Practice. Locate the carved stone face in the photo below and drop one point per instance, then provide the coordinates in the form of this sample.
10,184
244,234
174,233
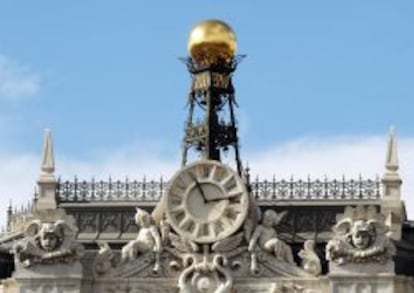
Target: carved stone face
361,235
145,220
269,217
49,241
48,238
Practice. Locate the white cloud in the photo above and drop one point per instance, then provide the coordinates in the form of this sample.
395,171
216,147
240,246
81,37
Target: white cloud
17,80
316,157
132,162
335,157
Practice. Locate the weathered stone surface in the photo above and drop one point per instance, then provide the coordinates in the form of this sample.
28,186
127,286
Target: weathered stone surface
361,243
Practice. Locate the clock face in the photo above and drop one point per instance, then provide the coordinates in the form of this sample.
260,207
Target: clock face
206,201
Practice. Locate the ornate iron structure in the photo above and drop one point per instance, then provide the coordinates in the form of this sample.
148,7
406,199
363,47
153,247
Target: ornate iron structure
212,97
78,191
354,189
262,190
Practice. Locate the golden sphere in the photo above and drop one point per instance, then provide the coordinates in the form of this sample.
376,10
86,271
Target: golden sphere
212,40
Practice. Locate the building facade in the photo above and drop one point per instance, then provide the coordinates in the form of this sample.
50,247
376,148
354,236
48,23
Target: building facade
210,228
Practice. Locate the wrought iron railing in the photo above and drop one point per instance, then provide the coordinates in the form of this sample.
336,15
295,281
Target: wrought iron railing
354,189
262,190
110,190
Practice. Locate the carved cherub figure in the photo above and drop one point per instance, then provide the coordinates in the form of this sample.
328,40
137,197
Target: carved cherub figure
266,236
47,242
50,236
360,237
148,239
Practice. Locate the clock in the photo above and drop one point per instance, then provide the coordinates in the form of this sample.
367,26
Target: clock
206,201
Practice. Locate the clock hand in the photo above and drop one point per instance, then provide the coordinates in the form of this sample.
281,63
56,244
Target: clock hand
226,197
217,199
199,187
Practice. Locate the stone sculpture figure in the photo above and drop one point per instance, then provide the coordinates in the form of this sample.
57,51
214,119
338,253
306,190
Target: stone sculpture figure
310,260
266,236
148,239
47,243
105,258
360,237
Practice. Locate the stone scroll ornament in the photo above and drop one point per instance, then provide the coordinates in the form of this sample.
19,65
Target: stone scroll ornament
48,242
206,276
360,236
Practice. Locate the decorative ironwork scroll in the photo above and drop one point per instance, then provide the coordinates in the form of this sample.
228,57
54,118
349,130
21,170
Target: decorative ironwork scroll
262,190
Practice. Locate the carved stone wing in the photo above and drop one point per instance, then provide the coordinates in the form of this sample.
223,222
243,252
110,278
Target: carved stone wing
228,244
280,217
343,226
379,227
63,229
33,228
182,245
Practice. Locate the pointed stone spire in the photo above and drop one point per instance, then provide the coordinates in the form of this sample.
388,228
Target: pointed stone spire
392,206
9,215
48,159
391,178
391,161
47,182
246,175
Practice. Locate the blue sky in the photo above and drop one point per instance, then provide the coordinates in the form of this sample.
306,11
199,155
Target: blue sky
105,78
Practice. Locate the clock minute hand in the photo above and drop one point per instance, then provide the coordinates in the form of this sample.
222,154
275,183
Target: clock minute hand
199,187
225,197
217,199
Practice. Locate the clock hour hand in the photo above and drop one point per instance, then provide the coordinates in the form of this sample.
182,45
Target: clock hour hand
199,187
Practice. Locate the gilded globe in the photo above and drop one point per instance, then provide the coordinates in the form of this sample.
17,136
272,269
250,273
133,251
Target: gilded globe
212,40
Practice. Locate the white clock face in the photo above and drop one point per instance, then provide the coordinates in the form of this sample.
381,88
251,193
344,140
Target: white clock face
206,201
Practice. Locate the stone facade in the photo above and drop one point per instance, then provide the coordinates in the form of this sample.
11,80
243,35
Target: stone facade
49,258
142,252
211,229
